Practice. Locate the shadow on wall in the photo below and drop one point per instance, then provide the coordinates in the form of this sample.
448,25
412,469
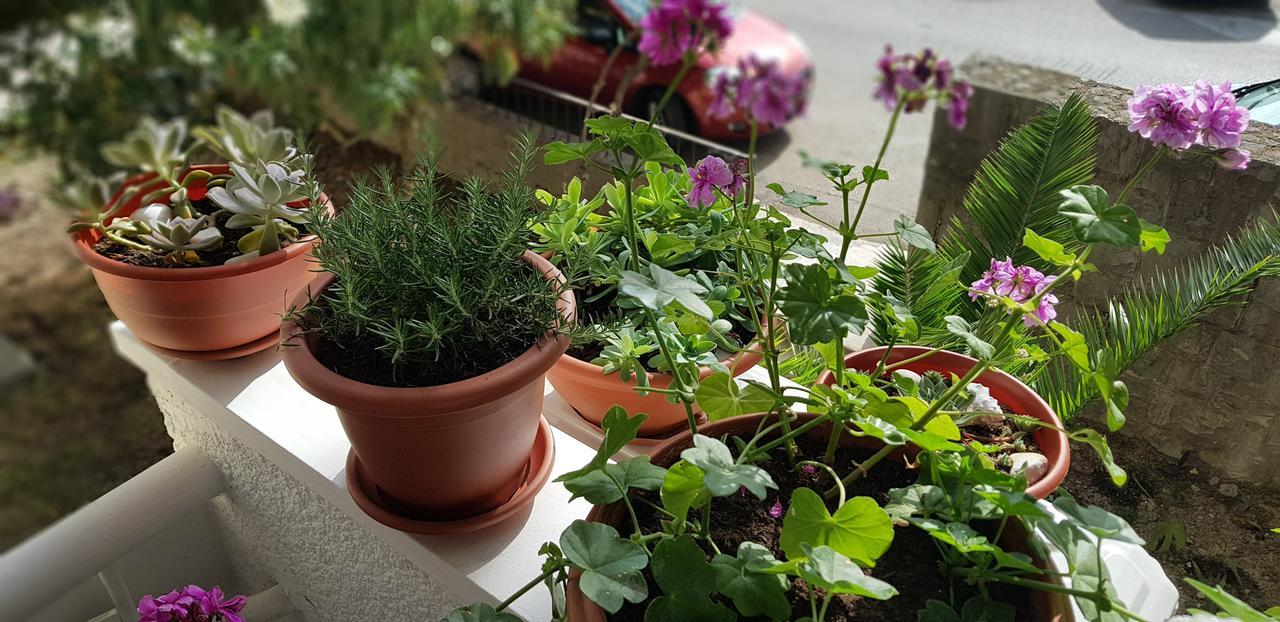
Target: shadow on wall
1195,20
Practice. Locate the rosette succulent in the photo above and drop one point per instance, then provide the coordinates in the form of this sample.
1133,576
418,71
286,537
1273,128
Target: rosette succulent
168,232
248,140
259,200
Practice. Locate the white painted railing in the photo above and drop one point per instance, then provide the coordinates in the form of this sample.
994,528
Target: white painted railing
95,538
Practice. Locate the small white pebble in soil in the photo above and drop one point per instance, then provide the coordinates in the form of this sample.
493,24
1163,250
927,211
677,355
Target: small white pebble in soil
984,402
1033,464
1229,490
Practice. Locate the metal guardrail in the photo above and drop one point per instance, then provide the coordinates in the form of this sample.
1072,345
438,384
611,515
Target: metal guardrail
565,113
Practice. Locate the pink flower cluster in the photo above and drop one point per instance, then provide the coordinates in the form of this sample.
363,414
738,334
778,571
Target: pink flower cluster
1019,283
916,78
191,604
1180,118
761,88
711,174
676,28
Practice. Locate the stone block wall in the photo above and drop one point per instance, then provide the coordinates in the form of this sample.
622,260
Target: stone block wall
1215,389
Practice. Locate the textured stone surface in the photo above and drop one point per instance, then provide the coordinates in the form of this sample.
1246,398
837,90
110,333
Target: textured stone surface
1213,389
276,528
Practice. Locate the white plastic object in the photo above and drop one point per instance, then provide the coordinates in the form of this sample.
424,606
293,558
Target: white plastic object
1139,581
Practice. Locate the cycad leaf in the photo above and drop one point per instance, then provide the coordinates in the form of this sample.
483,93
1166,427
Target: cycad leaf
1016,188
1130,326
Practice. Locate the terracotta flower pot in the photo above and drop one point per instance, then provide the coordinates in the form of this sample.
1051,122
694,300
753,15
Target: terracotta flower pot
1049,607
1009,391
192,312
592,393
445,452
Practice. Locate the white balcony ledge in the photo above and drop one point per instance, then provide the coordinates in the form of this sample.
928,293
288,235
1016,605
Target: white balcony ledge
336,561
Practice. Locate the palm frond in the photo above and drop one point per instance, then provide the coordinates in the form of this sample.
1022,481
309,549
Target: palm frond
1015,188
1128,327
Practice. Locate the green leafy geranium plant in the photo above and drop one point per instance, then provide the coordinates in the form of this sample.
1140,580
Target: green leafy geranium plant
858,494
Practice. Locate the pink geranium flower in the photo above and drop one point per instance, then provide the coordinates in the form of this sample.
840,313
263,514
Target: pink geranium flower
1164,114
1020,284
1218,116
708,175
676,28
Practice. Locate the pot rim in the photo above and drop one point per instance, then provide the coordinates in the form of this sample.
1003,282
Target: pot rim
417,402
82,243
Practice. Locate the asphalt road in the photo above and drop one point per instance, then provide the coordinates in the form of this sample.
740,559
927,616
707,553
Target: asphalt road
1124,42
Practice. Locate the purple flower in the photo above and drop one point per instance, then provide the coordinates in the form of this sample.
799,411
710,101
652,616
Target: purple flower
809,469
776,509
1221,121
212,603
1044,308
919,78
1000,273
739,170
942,74
958,103
1165,115
679,27
1232,159
722,94
768,96
886,90
1020,283
666,36
172,606
708,174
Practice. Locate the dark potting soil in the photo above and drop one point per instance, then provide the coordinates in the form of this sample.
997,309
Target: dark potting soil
215,257
911,564
339,165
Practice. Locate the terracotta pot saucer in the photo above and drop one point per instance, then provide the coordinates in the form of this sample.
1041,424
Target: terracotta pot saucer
253,347
366,494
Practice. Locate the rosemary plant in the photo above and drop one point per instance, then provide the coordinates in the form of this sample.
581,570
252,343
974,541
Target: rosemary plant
430,286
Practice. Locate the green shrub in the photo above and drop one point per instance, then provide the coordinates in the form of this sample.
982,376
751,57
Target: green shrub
430,286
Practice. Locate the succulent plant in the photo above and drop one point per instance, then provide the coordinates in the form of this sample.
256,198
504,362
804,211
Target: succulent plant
259,200
248,140
168,232
151,147
86,195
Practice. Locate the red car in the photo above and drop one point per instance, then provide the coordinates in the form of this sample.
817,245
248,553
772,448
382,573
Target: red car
605,24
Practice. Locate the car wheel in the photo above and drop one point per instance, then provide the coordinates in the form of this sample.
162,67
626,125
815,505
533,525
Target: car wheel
675,114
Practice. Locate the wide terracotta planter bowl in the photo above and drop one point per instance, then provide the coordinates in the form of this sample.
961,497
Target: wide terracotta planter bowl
198,310
1048,607
1015,396
444,452
592,393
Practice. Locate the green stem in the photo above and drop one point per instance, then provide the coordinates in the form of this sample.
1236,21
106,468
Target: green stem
677,376
126,242
631,227
528,586
788,436
837,428
849,233
829,471
688,63
1142,172
904,362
